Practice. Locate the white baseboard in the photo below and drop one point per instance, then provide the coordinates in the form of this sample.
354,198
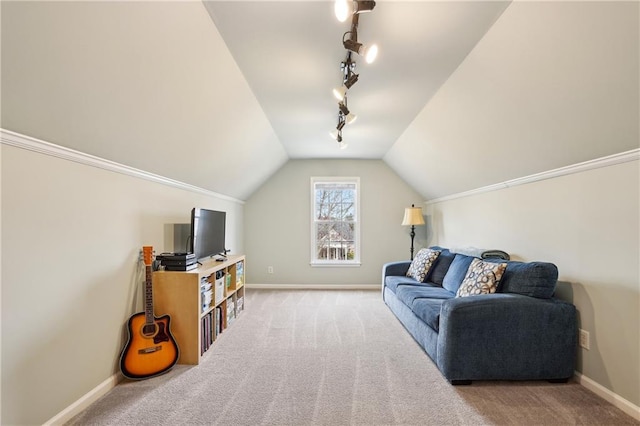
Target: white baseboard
315,286
616,400
81,404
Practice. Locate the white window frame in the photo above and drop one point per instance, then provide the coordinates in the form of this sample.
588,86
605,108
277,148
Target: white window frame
335,262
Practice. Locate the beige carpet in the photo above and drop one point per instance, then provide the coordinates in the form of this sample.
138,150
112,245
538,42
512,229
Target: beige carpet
333,358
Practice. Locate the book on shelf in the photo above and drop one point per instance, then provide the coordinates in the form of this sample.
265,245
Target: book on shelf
240,273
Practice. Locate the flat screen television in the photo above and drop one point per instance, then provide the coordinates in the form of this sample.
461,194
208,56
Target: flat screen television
207,233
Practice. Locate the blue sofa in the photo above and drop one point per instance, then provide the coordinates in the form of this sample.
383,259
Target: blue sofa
520,332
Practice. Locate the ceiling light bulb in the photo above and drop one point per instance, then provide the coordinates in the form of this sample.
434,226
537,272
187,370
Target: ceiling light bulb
342,145
342,10
340,92
351,117
371,53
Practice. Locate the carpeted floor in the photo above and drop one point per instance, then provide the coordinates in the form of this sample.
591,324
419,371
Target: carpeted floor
333,358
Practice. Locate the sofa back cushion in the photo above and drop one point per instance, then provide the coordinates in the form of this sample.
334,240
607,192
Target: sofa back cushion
441,266
535,279
456,272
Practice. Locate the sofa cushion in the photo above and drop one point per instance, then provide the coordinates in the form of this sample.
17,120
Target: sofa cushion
407,293
534,279
422,263
440,266
392,282
428,310
482,278
456,272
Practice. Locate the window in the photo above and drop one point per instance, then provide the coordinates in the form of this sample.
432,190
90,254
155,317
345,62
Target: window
335,222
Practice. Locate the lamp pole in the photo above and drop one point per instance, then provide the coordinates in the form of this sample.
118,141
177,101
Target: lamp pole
413,234
412,217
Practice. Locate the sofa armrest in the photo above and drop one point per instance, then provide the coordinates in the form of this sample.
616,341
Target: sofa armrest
394,269
506,337
399,268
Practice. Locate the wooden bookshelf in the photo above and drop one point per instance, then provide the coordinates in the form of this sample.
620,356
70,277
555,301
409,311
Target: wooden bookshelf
180,295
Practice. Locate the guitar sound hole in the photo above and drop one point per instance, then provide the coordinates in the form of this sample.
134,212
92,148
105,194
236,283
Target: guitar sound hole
149,330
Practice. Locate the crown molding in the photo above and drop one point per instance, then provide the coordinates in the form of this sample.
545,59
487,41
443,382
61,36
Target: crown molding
29,143
610,160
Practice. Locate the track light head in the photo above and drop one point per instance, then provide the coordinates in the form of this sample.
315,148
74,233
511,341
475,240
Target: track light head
351,80
349,117
369,52
342,145
345,8
340,92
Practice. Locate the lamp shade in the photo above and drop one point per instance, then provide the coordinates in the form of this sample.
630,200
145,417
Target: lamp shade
413,216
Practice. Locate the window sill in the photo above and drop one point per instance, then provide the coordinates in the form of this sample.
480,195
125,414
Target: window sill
329,264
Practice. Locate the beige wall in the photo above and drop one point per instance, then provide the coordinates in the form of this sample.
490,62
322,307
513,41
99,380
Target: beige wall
70,240
150,84
552,83
277,223
585,223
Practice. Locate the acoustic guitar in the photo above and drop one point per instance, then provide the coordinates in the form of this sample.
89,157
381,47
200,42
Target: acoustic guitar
151,349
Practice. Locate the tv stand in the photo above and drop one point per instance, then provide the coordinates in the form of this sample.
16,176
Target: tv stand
194,324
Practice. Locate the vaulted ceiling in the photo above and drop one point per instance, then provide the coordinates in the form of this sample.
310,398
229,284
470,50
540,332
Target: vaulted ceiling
290,54
220,94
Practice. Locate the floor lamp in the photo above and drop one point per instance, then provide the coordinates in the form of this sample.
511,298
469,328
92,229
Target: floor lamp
413,217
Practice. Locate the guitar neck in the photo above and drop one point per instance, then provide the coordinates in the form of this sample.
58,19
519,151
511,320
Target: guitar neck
148,296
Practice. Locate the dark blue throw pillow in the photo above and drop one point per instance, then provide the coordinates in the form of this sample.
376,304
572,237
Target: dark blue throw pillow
441,266
535,279
457,271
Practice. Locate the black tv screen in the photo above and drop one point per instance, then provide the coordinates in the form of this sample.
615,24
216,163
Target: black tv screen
207,232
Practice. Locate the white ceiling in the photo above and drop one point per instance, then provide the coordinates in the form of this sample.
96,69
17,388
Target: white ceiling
290,54
220,94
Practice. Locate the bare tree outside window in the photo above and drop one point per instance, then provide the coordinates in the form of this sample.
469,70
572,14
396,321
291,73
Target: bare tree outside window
335,224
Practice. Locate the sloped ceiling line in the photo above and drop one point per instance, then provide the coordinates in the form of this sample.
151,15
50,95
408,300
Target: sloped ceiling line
18,140
610,160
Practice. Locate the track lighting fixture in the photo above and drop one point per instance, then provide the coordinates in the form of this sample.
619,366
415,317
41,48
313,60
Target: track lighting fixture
337,135
351,80
341,92
369,52
344,8
349,116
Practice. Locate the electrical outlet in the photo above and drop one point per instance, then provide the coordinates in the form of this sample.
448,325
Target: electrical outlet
584,339
270,269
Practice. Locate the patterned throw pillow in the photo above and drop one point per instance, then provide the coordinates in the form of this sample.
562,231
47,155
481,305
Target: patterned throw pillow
482,278
422,263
